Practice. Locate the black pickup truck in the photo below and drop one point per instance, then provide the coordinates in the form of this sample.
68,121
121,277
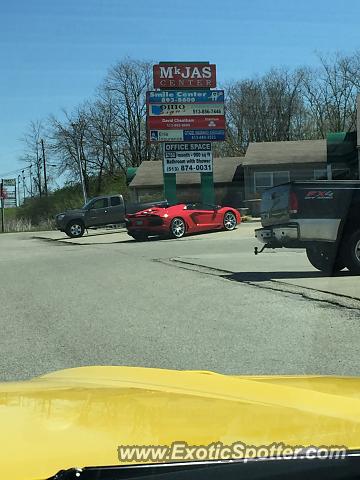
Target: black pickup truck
321,216
98,212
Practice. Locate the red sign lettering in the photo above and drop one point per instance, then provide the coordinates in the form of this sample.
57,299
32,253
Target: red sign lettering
207,122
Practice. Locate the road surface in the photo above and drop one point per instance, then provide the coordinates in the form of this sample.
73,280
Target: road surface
204,302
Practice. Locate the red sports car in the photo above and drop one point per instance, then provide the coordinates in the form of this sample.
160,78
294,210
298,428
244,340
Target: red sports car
177,220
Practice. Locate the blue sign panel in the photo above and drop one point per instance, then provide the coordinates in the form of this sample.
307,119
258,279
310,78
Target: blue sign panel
186,96
204,135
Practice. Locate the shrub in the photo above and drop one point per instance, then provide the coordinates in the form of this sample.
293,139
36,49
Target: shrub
41,211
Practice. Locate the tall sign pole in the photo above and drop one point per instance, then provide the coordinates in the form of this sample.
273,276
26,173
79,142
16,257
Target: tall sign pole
186,116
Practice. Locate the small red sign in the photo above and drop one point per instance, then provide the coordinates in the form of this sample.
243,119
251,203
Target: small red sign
3,193
207,122
182,75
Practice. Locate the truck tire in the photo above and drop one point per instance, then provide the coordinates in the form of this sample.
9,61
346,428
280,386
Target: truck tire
352,252
75,229
325,258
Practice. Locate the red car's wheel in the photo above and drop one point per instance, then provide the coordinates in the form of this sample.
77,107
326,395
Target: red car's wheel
177,227
230,221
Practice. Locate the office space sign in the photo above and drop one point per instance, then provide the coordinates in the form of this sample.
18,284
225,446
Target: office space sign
188,157
184,75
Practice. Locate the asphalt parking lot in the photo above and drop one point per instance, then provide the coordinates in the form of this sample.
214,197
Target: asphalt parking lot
282,267
204,302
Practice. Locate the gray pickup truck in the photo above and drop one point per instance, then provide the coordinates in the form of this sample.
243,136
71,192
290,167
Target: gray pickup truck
321,216
98,212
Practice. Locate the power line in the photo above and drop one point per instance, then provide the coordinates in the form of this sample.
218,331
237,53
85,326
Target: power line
14,171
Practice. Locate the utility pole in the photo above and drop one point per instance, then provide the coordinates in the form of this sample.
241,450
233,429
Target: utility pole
38,170
81,173
18,189
2,206
31,188
44,162
23,180
78,158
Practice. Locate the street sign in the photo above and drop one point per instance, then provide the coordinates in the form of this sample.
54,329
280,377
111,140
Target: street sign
184,75
185,96
198,122
9,182
188,157
186,135
183,109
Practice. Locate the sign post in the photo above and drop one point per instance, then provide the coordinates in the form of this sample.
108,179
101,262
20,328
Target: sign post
169,182
170,187
186,116
207,188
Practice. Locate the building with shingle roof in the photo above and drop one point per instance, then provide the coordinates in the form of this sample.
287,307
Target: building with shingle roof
147,184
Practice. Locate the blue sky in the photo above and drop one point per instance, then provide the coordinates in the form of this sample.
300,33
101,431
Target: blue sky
54,53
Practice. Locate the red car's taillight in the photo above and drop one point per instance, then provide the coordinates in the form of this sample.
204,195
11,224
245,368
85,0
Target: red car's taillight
293,203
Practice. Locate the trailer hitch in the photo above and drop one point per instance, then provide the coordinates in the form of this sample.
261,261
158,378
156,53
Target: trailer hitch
257,251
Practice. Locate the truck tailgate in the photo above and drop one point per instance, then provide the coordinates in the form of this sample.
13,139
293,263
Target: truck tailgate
275,205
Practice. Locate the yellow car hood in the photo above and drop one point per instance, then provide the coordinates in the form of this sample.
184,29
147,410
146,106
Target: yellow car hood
78,417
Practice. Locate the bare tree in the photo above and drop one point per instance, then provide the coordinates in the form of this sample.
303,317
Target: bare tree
33,155
125,87
68,139
330,94
268,108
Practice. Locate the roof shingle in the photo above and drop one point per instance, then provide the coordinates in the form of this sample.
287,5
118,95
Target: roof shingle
274,153
149,174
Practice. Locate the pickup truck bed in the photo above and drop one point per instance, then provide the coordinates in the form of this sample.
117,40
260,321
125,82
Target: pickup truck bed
321,216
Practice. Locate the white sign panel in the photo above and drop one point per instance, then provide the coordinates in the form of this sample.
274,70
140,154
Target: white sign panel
9,182
188,157
180,109
166,135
